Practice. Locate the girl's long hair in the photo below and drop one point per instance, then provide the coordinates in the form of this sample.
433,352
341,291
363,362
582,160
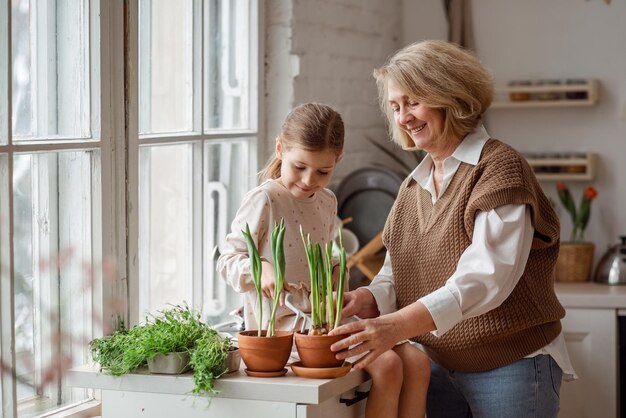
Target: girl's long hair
310,126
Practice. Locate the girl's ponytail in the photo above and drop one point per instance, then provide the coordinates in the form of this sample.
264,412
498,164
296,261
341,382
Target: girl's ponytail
271,169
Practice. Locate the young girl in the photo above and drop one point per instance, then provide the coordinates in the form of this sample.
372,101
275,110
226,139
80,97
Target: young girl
294,188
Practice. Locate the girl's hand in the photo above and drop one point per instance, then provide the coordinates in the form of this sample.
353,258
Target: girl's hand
267,283
359,302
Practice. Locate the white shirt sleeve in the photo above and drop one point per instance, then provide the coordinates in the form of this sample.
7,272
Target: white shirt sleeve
383,289
233,265
487,271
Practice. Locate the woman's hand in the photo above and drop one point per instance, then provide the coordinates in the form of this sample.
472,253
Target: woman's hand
377,335
267,283
371,336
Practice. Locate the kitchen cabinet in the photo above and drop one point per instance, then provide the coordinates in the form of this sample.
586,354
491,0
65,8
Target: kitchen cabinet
590,328
142,394
588,89
591,339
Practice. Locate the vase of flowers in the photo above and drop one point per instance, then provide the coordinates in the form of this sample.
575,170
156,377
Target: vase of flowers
576,255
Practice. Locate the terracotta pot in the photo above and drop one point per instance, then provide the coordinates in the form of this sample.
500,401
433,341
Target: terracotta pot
265,354
314,350
574,261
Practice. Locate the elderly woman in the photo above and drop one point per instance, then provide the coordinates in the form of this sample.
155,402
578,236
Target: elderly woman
471,242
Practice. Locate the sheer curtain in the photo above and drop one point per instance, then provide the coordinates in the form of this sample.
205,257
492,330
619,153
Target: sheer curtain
458,13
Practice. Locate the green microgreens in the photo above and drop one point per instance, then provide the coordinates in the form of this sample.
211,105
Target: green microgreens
173,330
208,361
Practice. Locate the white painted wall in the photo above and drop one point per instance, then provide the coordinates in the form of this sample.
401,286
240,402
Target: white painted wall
537,39
325,51
424,19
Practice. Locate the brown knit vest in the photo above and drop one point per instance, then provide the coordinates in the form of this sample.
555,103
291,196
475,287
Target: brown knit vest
425,242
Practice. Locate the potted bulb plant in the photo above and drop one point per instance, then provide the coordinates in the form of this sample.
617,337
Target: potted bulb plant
576,255
314,345
265,352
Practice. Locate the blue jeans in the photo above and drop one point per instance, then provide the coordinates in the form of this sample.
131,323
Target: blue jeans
527,388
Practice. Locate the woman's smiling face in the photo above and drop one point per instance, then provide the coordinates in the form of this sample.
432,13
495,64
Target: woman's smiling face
305,172
423,124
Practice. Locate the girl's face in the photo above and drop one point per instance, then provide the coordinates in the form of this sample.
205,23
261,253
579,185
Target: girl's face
305,172
423,124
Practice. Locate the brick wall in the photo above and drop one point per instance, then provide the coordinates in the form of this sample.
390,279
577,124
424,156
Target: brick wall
325,51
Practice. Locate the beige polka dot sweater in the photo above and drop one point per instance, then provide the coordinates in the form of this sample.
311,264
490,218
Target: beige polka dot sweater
261,207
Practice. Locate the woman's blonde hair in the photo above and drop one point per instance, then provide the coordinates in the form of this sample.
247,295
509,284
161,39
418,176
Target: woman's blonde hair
310,126
441,75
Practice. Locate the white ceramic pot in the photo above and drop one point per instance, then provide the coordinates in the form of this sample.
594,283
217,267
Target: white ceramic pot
350,243
233,361
171,363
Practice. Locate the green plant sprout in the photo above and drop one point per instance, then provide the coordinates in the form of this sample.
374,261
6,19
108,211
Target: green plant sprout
256,268
343,261
325,313
278,259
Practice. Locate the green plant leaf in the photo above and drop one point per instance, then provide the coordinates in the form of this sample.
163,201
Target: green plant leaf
256,268
208,361
342,278
278,257
568,202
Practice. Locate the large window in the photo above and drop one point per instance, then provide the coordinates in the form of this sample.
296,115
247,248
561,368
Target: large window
50,192
123,157
197,105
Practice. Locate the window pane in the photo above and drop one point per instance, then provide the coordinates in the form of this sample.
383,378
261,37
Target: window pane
165,66
4,58
225,183
53,261
165,226
50,56
227,63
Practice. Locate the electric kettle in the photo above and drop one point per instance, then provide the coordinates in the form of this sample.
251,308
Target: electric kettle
612,266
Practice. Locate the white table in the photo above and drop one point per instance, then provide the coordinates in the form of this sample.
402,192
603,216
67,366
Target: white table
143,395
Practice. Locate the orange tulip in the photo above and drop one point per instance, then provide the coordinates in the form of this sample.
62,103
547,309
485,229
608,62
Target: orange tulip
579,216
590,192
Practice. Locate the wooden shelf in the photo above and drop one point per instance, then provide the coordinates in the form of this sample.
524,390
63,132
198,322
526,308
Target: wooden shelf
576,168
502,99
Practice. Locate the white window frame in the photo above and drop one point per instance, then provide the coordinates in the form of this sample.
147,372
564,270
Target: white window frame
106,56
114,121
203,266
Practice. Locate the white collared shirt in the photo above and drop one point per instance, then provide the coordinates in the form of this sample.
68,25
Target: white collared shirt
489,268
